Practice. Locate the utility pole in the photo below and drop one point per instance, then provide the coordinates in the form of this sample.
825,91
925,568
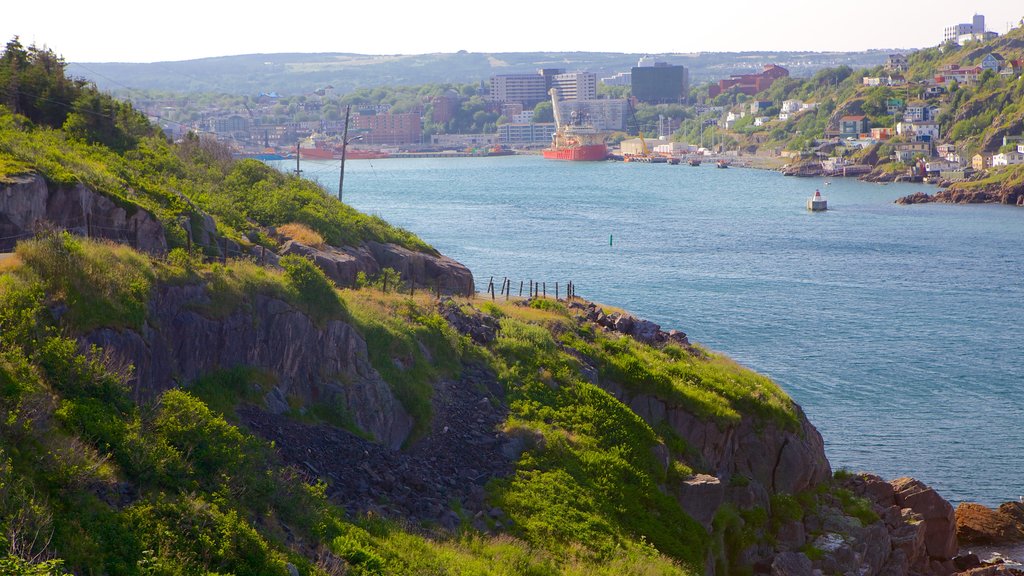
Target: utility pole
344,146
298,152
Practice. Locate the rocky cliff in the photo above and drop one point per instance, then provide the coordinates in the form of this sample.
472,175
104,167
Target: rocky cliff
29,202
1012,195
179,344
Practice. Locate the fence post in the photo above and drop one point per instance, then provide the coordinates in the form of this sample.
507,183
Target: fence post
520,288
545,289
556,291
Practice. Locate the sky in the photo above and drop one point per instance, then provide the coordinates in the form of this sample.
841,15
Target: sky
139,31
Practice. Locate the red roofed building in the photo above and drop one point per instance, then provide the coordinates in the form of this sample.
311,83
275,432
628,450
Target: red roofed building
749,84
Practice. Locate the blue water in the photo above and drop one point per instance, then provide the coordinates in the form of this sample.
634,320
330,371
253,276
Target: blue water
897,328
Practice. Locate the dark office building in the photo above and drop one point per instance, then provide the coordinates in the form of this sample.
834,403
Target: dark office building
660,84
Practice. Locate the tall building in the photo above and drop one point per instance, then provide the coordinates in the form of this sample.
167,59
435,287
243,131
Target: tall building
575,85
527,89
962,33
659,84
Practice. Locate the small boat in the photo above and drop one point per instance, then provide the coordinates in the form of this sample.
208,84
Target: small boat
673,160
817,203
722,164
693,161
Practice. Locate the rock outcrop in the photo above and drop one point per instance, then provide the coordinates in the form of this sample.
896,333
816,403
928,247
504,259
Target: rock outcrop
978,524
342,265
311,364
29,202
1012,195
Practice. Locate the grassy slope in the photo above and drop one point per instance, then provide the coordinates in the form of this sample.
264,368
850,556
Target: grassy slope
588,498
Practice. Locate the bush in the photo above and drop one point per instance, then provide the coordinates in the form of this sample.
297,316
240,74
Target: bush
311,288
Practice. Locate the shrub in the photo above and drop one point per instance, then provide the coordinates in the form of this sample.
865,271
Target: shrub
312,289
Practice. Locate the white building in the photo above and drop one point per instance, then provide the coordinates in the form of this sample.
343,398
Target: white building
926,130
463,140
575,85
1008,158
963,33
762,120
790,106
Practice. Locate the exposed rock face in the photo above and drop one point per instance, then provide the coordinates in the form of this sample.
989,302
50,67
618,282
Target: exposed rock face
179,344
977,524
30,201
343,265
954,195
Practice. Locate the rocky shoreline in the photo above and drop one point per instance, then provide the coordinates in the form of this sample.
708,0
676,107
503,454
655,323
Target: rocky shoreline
1013,196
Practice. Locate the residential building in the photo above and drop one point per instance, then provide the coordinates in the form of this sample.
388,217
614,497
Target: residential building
528,134
889,80
660,84
575,85
925,131
948,151
966,76
388,129
853,126
881,133
979,162
229,124
894,105
993,61
915,112
603,114
933,91
1008,159
907,151
897,62
749,84
524,117
762,120
1013,68
784,116
759,105
1020,148
526,89
791,106
934,167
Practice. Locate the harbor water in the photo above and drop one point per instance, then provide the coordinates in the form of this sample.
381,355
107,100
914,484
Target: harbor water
897,328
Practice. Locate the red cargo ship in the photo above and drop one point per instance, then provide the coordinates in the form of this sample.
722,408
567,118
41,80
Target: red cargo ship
575,140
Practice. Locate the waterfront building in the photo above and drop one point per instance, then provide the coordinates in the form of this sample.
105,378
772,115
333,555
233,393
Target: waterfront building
390,129
462,141
526,134
907,151
1008,159
661,83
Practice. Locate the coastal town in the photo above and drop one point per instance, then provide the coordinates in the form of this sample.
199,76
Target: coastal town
900,108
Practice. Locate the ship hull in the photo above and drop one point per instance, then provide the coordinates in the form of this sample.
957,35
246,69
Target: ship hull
588,153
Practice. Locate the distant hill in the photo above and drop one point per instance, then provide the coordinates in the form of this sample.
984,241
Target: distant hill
303,73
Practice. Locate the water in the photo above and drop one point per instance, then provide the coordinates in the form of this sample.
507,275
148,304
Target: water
897,328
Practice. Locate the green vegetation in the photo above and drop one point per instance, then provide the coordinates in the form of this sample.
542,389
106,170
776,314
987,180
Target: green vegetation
69,133
97,478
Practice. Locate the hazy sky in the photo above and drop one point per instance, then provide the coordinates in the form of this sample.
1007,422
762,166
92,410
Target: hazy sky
141,31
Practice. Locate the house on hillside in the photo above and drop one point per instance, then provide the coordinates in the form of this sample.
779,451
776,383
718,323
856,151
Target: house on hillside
881,133
924,131
759,105
906,151
896,62
1008,159
762,120
979,162
933,91
853,126
915,112
790,106
992,61
1012,68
